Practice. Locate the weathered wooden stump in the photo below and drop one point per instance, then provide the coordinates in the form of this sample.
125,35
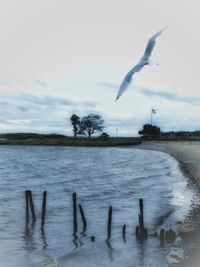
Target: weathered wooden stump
27,207
92,238
83,218
31,205
43,209
170,236
75,223
137,232
162,236
124,231
109,222
141,216
140,231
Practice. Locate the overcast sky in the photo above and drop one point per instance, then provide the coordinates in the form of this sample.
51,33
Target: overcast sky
59,57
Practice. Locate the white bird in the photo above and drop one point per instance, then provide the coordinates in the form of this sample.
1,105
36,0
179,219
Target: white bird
145,60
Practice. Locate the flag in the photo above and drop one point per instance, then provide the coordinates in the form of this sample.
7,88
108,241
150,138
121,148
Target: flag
153,111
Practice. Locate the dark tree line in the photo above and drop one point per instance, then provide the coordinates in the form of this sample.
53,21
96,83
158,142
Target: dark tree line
89,124
181,133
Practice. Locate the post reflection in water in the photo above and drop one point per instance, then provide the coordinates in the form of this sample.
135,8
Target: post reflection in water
29,242
110,250
43,238
83,234
75,241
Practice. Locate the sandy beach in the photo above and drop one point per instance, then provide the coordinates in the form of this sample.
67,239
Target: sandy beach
187,153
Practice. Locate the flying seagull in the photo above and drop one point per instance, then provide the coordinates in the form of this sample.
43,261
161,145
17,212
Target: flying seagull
145,60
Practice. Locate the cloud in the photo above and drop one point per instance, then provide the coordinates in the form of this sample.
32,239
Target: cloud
51,100
7,81
45,100
109,85
40,83
39,113
170,96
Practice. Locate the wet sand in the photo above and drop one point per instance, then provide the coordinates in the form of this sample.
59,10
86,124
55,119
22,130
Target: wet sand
187,154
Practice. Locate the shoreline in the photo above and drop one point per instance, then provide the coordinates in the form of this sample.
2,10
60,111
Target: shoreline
187,154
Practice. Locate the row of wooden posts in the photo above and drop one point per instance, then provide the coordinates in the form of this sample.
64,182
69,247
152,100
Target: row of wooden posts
140,231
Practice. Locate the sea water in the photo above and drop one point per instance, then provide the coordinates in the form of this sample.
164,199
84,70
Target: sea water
100,177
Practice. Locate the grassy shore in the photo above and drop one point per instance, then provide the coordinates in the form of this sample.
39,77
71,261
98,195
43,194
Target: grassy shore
61,140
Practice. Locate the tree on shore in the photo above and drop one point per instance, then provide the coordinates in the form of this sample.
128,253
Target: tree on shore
150,130
76,121
91,124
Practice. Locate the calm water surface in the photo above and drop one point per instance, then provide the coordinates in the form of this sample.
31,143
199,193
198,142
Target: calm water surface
100,176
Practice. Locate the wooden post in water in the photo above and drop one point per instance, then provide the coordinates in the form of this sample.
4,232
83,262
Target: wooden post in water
92,238
75,224
162,236
124,231
83,218
43,208
140,231
109,222
137,232
32,206
141,216
170,236
27,207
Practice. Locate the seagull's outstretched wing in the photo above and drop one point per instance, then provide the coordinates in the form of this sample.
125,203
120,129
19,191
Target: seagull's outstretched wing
143,61
127,80
149,48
